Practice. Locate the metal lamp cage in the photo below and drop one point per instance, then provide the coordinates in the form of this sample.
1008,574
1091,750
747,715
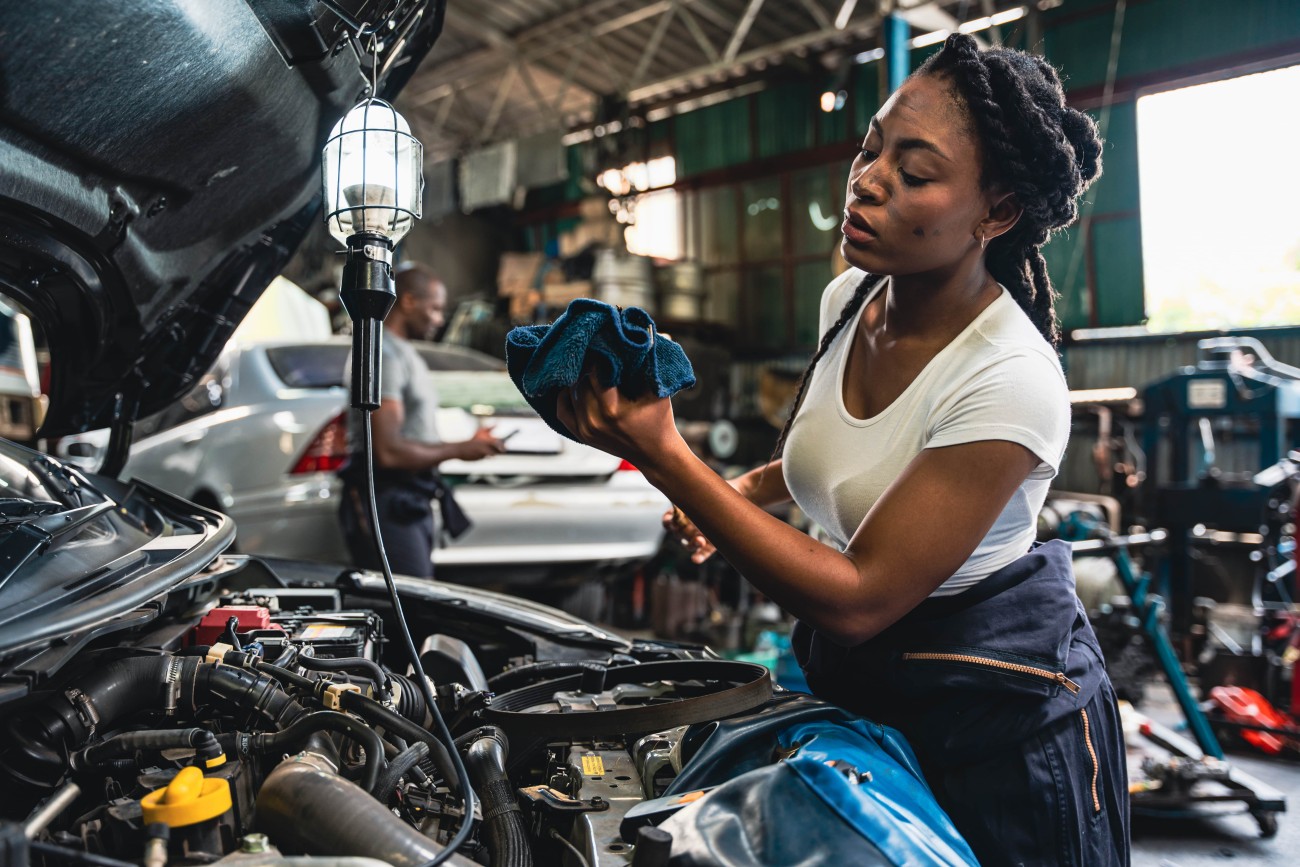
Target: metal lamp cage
372,170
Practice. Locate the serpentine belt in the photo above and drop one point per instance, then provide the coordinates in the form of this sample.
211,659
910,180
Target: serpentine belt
754,686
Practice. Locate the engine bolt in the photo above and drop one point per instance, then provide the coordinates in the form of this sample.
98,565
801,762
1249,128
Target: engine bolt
255,843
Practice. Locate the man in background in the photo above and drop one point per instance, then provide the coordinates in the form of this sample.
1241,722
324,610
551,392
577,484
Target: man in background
407,447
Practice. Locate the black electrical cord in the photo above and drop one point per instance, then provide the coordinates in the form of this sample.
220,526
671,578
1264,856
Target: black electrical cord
467,787
577,853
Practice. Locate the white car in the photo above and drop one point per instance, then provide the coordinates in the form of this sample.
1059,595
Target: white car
261,435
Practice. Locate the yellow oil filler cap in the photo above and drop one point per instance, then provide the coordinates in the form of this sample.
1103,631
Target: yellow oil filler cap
187,800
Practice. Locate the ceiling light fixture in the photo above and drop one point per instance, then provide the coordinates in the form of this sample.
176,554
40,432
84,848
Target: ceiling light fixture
975,25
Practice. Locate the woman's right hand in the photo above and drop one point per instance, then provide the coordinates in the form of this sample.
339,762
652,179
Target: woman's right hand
688,535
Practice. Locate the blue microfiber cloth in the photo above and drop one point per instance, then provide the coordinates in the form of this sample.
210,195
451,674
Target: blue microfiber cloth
545,359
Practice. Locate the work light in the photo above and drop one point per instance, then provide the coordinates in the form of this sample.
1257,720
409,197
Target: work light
373,182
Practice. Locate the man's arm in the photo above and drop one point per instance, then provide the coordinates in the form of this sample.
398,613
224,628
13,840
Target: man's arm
395,452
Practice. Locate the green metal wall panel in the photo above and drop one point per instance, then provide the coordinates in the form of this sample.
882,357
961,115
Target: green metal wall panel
1117,259
1165,34
1073,306
1117,188
864,93
713,138
783,119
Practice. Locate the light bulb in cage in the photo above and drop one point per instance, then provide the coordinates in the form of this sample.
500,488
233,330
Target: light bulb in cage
373,176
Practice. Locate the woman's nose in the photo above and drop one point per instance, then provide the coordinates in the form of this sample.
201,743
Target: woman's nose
865,186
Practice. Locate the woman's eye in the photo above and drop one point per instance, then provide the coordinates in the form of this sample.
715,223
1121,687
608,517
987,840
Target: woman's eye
868,155
912,180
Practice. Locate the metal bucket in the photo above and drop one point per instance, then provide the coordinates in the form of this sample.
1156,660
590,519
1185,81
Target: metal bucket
623,280
681,291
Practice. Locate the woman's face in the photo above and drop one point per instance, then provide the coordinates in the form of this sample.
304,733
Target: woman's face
914,202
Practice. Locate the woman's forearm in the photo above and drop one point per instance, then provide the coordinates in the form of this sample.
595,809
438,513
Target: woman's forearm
812,581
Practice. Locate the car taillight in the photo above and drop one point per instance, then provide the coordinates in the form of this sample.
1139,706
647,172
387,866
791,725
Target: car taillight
625,466
328,449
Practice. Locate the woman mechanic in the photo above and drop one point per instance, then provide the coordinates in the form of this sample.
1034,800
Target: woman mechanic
925,433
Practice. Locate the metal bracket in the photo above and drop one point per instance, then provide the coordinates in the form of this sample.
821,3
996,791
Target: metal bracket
544,797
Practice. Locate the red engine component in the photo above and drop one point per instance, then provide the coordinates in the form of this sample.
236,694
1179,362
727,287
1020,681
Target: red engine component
1241,705
214,622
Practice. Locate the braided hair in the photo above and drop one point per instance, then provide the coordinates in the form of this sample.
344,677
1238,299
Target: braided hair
1034,146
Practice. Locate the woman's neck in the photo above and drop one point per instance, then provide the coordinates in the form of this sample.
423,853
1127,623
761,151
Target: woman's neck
937,303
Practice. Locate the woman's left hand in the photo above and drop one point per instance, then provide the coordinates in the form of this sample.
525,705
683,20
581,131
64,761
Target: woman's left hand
641,430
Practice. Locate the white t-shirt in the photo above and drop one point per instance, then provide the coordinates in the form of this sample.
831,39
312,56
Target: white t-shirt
997,380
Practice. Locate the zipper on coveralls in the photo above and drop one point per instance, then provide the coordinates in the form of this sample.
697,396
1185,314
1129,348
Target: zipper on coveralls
1056,676
1092,754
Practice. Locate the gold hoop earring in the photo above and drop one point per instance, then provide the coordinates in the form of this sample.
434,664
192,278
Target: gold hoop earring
984,241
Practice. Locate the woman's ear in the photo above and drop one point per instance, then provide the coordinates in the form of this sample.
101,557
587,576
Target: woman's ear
1003,214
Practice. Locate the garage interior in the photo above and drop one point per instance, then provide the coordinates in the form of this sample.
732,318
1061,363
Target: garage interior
714,139
690,158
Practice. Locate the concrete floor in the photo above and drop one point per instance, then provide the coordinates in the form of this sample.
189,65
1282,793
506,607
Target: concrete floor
1213,841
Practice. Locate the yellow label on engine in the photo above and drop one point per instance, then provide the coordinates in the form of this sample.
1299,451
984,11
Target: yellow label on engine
593,766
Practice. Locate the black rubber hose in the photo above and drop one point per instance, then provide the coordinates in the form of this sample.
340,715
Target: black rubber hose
284,675
231,635
259,695
513,678
127,744
327,720
503,821
347,663
35,745
304,807
376,714
410,703
400,765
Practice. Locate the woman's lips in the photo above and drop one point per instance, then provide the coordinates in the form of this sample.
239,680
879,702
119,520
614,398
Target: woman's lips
856,230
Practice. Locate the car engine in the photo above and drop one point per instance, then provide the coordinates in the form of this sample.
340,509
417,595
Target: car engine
269,721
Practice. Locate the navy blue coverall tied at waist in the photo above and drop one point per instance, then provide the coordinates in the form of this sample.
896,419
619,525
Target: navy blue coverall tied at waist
1002,692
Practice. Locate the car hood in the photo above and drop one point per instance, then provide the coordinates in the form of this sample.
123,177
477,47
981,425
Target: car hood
159,164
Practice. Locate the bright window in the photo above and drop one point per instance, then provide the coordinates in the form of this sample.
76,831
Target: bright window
1220,186
651,211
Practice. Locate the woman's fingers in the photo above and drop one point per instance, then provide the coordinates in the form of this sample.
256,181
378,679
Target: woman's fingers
565,411
688,536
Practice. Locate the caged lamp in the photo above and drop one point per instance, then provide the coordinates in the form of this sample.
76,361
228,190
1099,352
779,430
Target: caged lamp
372,172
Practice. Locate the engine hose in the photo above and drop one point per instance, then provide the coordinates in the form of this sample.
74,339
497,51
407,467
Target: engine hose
283,675
348,664
35,744
236,688
401,765
512,678
376,714
305,806
327,720
503,821
410,703
125,745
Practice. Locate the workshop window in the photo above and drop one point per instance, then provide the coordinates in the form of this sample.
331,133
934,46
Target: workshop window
768,247
1219,187
645,202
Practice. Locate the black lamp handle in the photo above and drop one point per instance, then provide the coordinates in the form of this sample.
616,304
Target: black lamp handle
367,293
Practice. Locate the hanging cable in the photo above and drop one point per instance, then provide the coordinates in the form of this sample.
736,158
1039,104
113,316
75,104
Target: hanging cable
467,788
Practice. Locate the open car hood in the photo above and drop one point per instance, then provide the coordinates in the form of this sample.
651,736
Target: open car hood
159,164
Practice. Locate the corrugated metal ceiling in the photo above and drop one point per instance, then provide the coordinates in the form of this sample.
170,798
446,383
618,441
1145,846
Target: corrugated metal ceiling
510,68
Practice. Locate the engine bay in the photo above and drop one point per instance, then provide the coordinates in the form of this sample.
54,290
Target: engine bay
274,718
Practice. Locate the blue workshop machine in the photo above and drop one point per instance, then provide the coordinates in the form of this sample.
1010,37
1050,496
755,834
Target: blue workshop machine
1207,431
